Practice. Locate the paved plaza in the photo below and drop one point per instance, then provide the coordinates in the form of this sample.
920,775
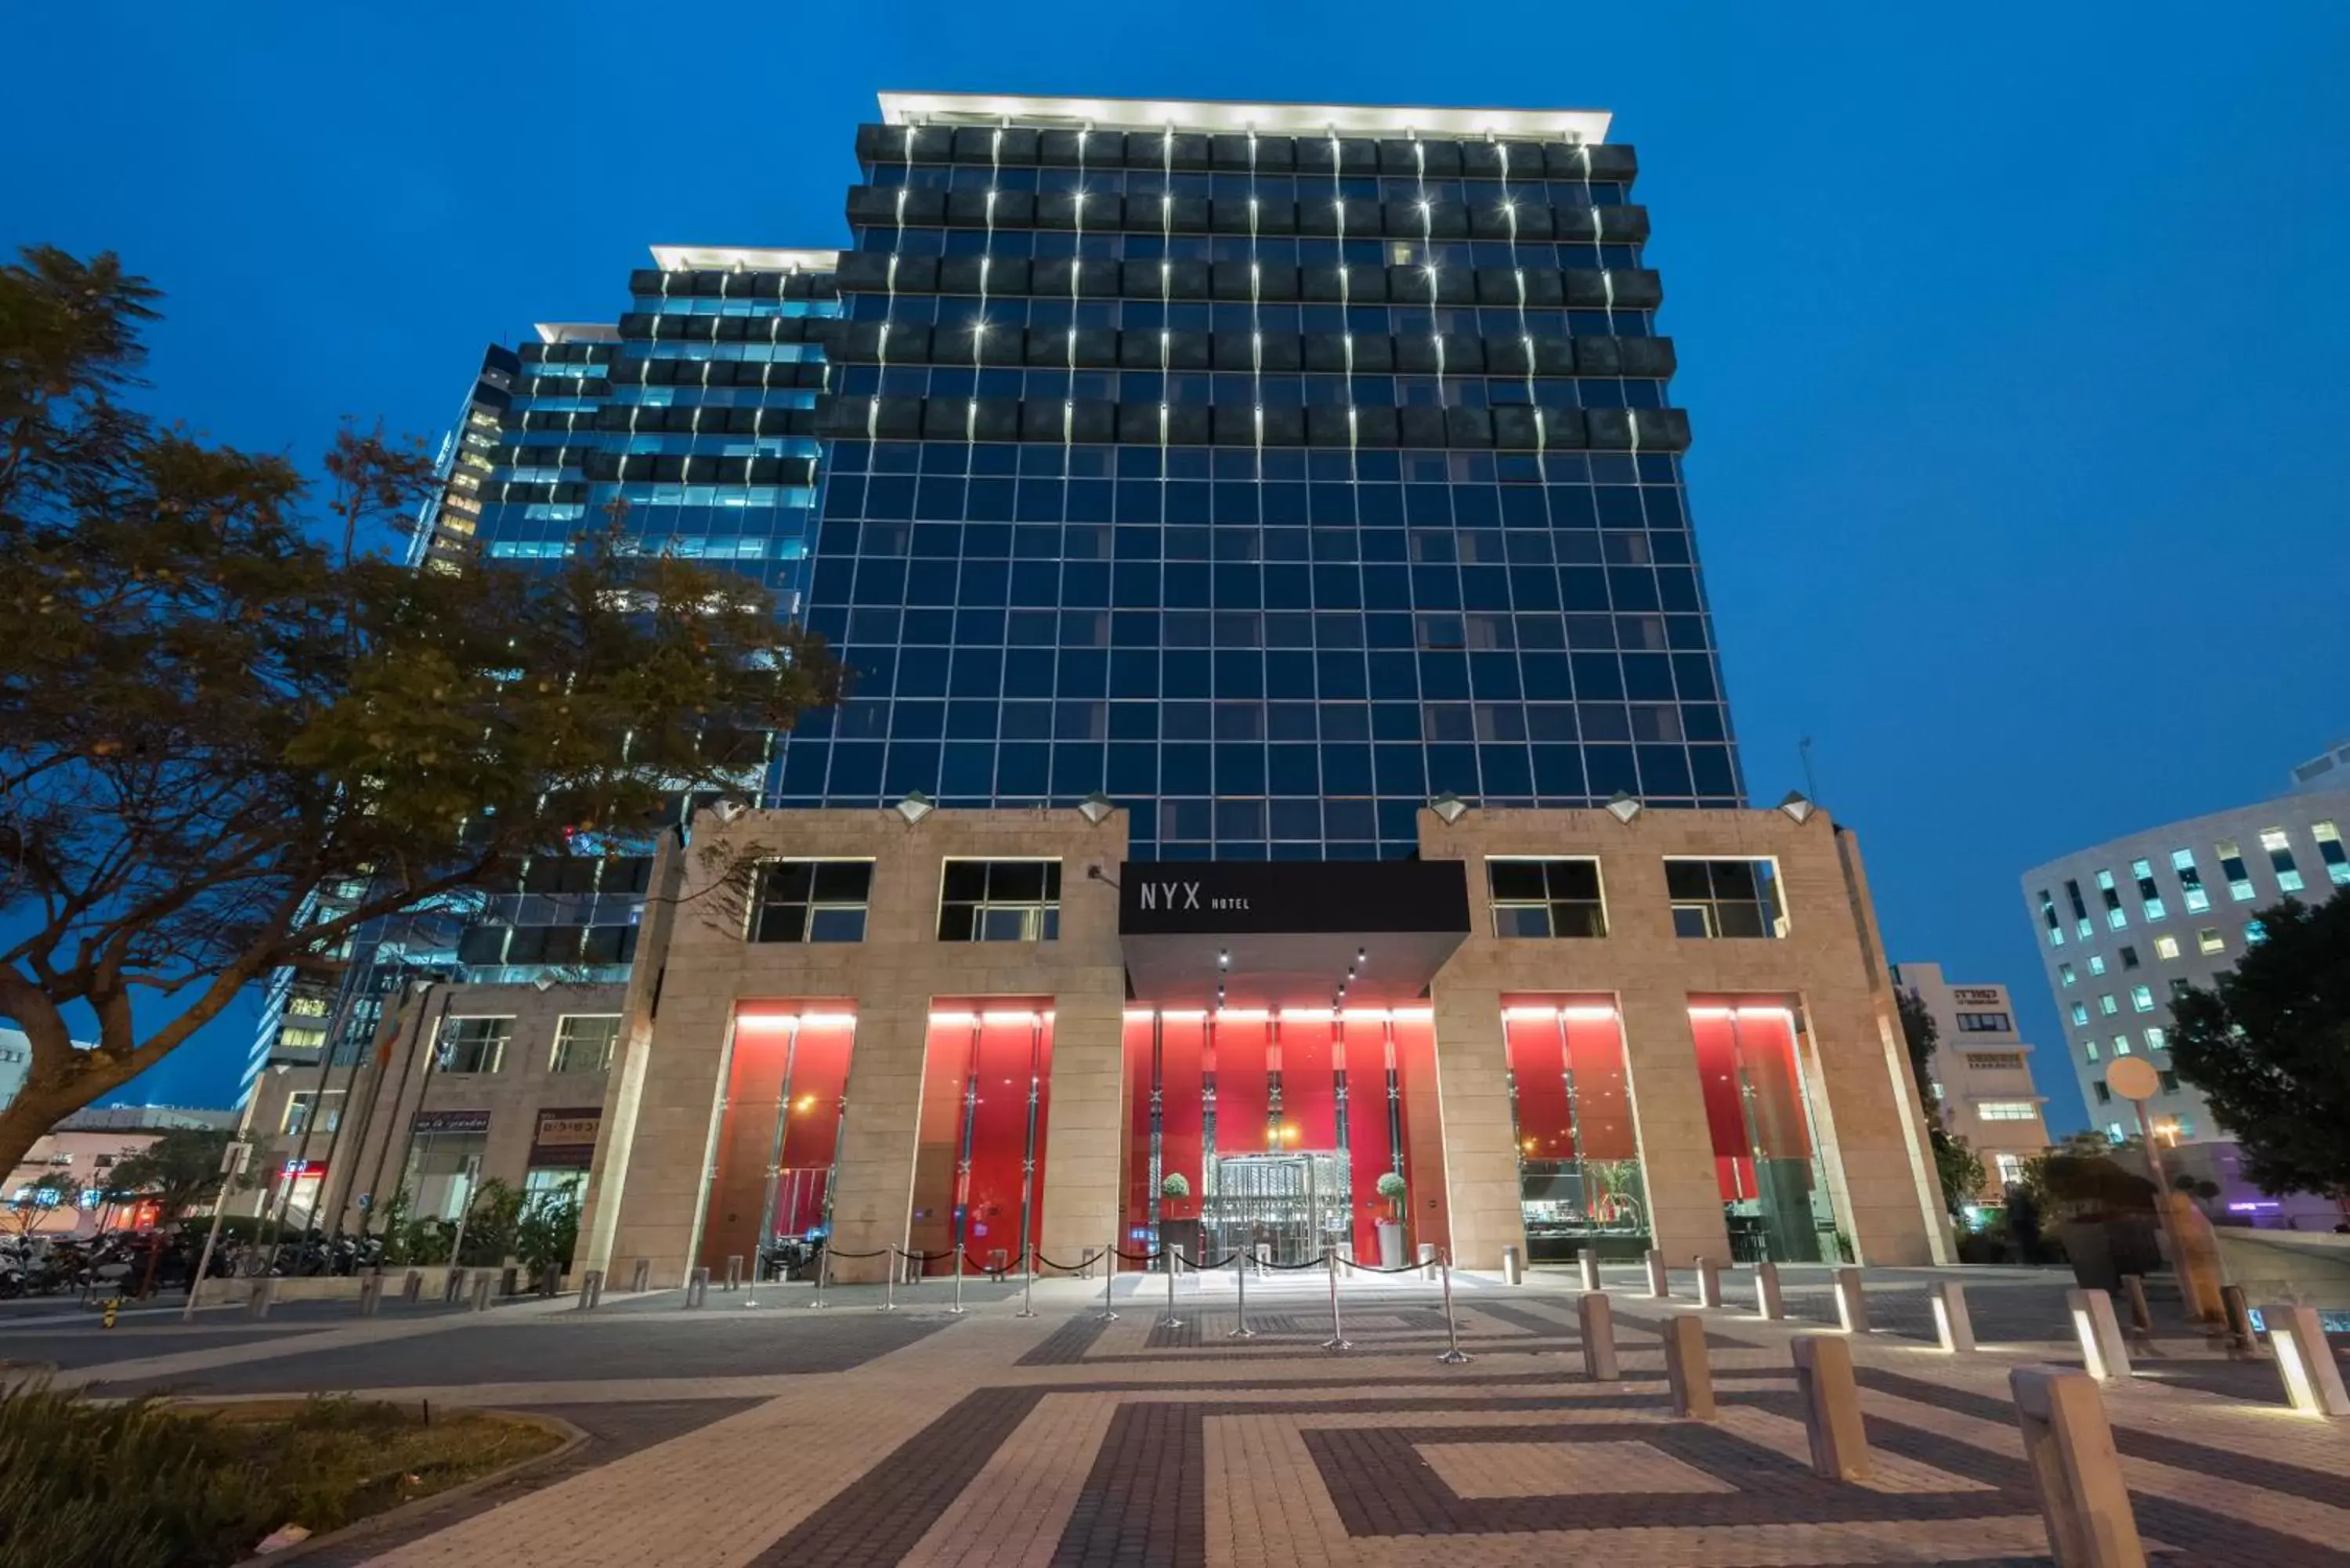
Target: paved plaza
785,1435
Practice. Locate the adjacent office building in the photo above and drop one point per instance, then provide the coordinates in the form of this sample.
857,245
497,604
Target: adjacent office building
1981,1073
1287,745
2126,924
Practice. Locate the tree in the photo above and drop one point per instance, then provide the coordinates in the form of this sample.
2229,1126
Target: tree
1921,1034
218,697
179,1170
2269,1047
36,1200
1961,1170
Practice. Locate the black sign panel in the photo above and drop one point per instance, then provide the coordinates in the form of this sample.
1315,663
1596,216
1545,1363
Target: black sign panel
1241,897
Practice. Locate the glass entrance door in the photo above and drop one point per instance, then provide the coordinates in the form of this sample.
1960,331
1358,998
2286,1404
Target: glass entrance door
1296,1206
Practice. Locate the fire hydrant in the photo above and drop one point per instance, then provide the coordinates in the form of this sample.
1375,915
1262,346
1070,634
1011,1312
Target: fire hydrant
113,1305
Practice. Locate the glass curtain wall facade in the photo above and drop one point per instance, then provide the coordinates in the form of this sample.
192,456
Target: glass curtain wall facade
1269,483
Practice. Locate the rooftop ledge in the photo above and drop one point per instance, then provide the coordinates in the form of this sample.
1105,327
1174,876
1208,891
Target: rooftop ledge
740,259
1286,118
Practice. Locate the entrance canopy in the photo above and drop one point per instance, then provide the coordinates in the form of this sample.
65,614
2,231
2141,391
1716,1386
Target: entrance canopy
1248,934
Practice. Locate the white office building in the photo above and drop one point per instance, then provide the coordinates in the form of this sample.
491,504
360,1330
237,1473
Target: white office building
1981,1071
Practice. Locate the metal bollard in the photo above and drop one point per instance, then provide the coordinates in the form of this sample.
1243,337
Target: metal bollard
412,1290
889,1280
697,1289
591,1291
1337,1340
1027,1282
1954,1326
371,1293
823,1273
264,1297
733,1271
1174,1267
1660,1286
1453,1351
1709,1283
1513,1266
1428,1262
1831,1400
1110,1278
482,1285
1587,1262
1851,1301
641,1278
2103,1348
1596,1320
2141,1315
958,1308
2313,1381
1243,1331
1687,1372
1769,1305
2241,1340
2069,1444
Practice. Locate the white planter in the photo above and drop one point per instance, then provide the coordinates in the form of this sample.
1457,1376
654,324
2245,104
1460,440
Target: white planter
1391,1244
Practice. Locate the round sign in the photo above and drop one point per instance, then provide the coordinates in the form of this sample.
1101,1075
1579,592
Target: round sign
2134,1078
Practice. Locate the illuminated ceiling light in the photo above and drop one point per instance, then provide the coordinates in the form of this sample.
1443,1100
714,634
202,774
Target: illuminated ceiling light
1224,959
1797,806
1450,808
1095,808
1624,808
916,806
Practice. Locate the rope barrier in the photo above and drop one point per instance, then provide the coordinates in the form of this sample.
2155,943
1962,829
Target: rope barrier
1319,1260
1088,1261
923,1258
881,1253
1197,1267
1375,1269
1139,1257
987,1267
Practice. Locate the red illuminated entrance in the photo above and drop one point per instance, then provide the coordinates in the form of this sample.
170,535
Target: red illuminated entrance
779,1133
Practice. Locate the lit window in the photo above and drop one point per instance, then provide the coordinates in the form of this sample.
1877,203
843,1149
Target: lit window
1546,899
2089,1050
474,1045
2007,1110
2129,957
1984,1023
2279,848
2121,1046
812,901
2080,1012
2329,850
2113,901
1000,901
2166,947
2010,1168
1725,899
2183,1128
2064,973
2096,963
2048,913
298,1113
2209,940
2142,999
2231,867
2113,1130
2149,895
2156,1040
584,1041
2255,933
2107,1005
2190,880
2080,909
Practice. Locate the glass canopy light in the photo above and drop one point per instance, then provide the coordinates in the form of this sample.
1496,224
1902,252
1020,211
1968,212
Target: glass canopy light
1450,808
1095,808
1624,808
916,806
1796,806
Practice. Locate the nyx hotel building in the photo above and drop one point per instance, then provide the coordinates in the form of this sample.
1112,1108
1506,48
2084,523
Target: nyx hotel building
1287,743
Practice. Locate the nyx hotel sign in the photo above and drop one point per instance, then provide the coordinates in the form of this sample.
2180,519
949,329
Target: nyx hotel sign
1186,895
1236,898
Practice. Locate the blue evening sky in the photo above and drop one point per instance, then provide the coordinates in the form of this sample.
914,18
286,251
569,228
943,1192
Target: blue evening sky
2013,338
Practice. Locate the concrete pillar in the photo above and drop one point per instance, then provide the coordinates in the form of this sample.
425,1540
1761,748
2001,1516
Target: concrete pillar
1596,1320
1687,1372
1659,1286
1769,1305
1513,1266
371,1293
1709,1283
2241,1340
733,1271
1586,1263
873,1177
591,1291
1481,1165
264,1297
2074,1467
2141,1315
2312,1380
1085,1140
2102,1346
1427,1259
2195,1261
697,1288
1852,1302
453,1286
412,1290
1954,1326
1831,1400
1676,1165
483,1281
640,1278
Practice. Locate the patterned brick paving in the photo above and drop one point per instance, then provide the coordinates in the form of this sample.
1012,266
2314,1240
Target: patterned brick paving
1068,1441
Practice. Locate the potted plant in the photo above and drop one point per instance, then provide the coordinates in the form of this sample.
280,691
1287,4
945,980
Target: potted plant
1392,1187
1177,1233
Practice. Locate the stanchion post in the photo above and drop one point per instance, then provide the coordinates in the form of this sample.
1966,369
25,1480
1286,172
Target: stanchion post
1660,1285
1173,1260
1110,1279
1337,1340
1954,1326
1587,1262
1851,1302
889,1280
1769,1304
1596,1320
1027,1281
2069,1444
2103,1349
958,1308
823,1273
2141,1315
1687,1372
733,1271
2313,1381
1454,1354
1709,1283
1240,1270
